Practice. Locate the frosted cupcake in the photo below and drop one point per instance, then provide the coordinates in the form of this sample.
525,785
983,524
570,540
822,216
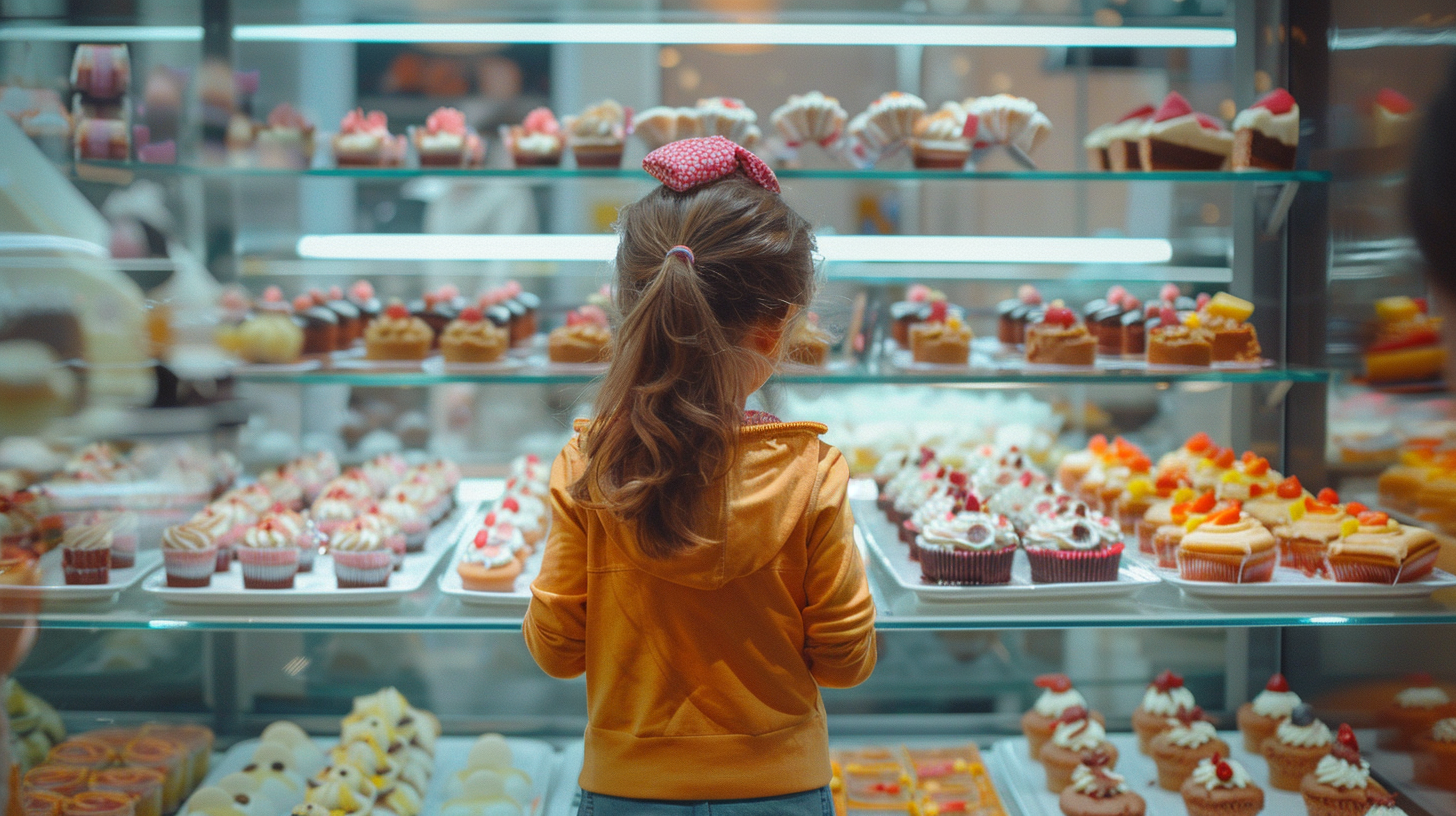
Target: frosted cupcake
1077,549
1413,711
268,555
411,522
189,553
531,525
1340,783
1189,740
537,141
1259,717
225,523
304,535
389,533
361,559
1075,734
968,548
1298,744
335,508
486,562
1162,700
812,117
124,526
86,554
1220,786
1056,697
597,135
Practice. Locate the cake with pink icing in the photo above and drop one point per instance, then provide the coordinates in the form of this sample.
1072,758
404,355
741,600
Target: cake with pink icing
1179,138
364,140
446,141
537,141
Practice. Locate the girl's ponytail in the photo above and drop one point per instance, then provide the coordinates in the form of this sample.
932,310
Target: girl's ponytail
670,405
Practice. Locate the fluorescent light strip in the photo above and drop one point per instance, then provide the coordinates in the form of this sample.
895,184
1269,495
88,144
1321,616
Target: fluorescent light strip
49,33
1358,39
835,248
747,34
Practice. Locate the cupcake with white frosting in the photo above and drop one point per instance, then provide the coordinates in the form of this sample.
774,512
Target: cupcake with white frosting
1260,716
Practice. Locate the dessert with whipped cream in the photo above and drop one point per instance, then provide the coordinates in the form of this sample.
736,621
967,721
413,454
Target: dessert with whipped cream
470,338
968,548
1162,700
1228,546
1374,548
1266,134
1078,546
1012,121
1220,786
537,141
1060,339
1041,719
597,135
86,554
586,337
1413,711
364,140
656,126
1114,146
1340,781
1300,741
268,555
489,562
1189,739
1305,538
889,120
361,557
285,140
1074,734
1179,138
1097,790
189,553
447,141
942,140
730,118
810,117
1259,717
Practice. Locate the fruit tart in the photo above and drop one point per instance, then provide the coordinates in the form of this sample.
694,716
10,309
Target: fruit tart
1059,339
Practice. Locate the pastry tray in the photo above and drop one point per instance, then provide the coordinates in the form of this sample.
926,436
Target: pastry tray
538,759
320,585
894,558
1294,585
450,583
1026,781
987,354
53,586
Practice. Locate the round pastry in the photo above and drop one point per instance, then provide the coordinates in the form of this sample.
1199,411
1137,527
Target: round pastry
1304,539
1435,755
86,554
361,559
397,335
268,555
1097,791
1413,712
1161,702
1076,548
1259,717
1227,546
1296,748
1041,720
1340,784
968,548
812,117
584,339
1075,734
1189,739
470,338
1221,787
597,136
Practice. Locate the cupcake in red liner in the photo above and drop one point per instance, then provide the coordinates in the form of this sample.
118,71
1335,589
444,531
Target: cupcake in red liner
1304,538
335,508
86,554
1078,548
268,556
124,527
189,555
968,548
938,506
299,531
225,521
411,521
389,532
360,557
1375,549
1228,546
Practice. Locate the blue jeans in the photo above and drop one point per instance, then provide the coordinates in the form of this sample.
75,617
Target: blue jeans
815,802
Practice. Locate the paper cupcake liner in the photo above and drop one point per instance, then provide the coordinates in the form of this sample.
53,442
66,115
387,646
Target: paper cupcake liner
363,569
397,549
123,548
1372,574
414,536
1305,555
1145,538
1074,566
1322,806
1195,567
966,566
908,533
87,575
1239,807
268,569
86,566
189,568
1167,551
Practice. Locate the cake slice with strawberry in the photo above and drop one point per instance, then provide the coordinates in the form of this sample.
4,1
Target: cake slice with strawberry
1392,118
1179,138
1059,339
1266,134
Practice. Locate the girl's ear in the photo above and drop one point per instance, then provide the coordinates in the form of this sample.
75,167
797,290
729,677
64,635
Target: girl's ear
765,337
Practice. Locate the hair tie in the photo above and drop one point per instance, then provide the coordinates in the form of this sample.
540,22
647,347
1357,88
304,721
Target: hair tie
689,163
686,253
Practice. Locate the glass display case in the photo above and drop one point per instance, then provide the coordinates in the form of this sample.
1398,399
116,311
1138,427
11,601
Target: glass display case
138,269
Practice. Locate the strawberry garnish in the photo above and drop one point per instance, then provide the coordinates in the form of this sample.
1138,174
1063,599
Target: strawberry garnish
1277,684
1058,683
958,478
1025,478
1166,681
1290,488
1174,105
1198,442
1169,293
1225,458
1277,102
1394,101
1029,295
973,504
489,520
1141,112
1189,716
1222,769
1116,295
1328,496
1346,746
1355,508
1371,518
396,311
938,311
1167,317
482,538
510,505
471,314
1060,316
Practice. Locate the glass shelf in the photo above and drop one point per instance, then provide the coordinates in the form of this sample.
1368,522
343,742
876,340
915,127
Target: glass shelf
115,172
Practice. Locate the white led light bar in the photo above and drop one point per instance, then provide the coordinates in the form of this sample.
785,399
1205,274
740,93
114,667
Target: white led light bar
834,248
52,33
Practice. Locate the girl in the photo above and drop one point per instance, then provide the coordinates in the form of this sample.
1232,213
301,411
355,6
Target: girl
700,567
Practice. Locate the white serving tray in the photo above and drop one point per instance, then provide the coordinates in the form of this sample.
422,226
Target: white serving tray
319,586
987,355
538,759
894,558
1028,792
1293,585
450,583
53,586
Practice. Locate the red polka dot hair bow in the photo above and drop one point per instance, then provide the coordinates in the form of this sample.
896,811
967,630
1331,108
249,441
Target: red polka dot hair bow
688,163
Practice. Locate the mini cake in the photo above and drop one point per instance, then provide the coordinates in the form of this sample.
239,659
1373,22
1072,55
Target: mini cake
1190,739
537,141
1259,717
268,555
915,308
1161,702
1407,344
1121,139
659,125
470,338
1295,750
1221,787
1074,734
189,555
1177,138
1141,493
1159,515
270,335
1013,315
1076,465
808,343
361,559
596,136
1413,712
351,320
940,340
1435,755
1060,340
1392,119
1340,783
1228,546
968,548
812,117
320,326
86,554
1041,720
1168,537
1013,121
1266,134
1073,549
446,141
1234,339
942,140
365,141
361,294
1374,548
891,119
584,339
1305,538
486,564
1272,509
1097,790
285,140
102,139
1171,342
397,335
531,524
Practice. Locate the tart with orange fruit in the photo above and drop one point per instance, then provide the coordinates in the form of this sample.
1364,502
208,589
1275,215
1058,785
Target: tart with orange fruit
943,339
1059,339
1234,339
1407,345
1304,540
1228,546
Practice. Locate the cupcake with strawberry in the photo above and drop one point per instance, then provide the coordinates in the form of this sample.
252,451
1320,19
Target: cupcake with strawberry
1060,339
1190,740
1074,734
1259,717
488,562
1162,701
1340,783
1219,786
1041,720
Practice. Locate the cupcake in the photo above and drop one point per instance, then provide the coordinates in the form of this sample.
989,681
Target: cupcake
487,563
286,139
446,141
1221,787
407,517
365,141
596,137
1056,697
86,554
1074,735
532,526
389,532
225,521
1259,717
584,339
1228,546
1374,548
1076,548
1162,701
942,140
968,548
1383,804
1272,509
332,510
1340,784
1413,712
1435,755
124,526
268,555
1096,790
812,117
1298,745
470,338
889,120
189,554
1168,535
537,141
1304,539
1189,740
361,559
397,335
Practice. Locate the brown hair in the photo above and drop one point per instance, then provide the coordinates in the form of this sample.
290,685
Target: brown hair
669,407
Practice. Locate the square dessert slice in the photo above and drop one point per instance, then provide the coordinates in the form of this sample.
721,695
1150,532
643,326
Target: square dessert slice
1060,340
1178,138
1266,135
1172,343
1122,139
1234,339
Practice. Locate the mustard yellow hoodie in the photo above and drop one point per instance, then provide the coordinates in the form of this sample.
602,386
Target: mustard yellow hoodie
702,670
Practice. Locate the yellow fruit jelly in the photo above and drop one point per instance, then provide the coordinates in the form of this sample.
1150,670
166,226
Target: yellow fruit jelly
1193,523
1395,309
1137,488
1183,494
1296,510
1349,527
1233,308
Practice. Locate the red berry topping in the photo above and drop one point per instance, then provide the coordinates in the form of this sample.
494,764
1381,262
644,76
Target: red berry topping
1029,295
533,459
1355,508
1370,518
1394,101
1174,105
1277,102
1131,304
489,520
1025,478
1166,680
1189,716
1202,300
973,504
1207,122
938,311
1422,305
1421,679
1290,488
1222,769
1169,293
1073,714
958,478
1060,316
482,538
470,314
1328,496
1141,112
396,311
1198,442
1167,317
302,302
1116,295
918,293
1059,683
1346,737
273,294
1278,684
510,505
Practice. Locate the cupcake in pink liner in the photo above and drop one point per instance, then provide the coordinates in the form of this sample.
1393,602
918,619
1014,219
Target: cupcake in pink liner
301,531
531,525
503,534
335,508
256,496
1076,548
537,141
268,555
353,482
86,554
283,487
967,548
412,523
123,525
242,516
388,530
384,471
444,470
426,494
218,523
189,554
360,557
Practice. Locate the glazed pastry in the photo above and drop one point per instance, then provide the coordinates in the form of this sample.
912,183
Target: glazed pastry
1174,342
1227,546
942,339
812,117
1177,138
1060,340
1234,339
446,141
487,563
1161,702
1414,711
1098,791
942,140
1299,742
365,141
470,338
397,335
1259,717
1189,739
1373,548
1340,782
584,339
1074,734
1435,755
1266,134
1219,786
1041,720
537,141
597,136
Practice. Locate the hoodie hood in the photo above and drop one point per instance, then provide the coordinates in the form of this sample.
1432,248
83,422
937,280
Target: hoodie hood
753,511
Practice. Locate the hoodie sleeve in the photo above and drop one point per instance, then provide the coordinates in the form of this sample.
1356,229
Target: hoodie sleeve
555,624
839,616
